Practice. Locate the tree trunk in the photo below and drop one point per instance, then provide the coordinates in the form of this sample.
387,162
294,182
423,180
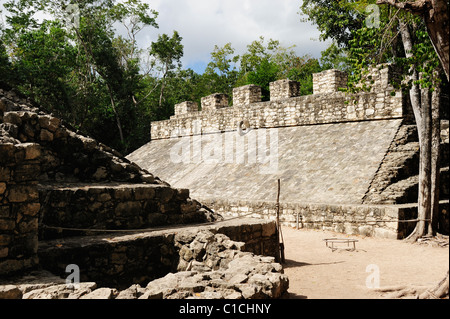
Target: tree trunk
116,114
435,15
424,200
435,159
420,102
436,20
440,291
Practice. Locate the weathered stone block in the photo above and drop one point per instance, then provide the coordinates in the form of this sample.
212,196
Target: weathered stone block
185,108
123,193
49,123
12,118
46,136
7,225
284,89
10,292
32,151
214,102
246,95
143,193
23,193
7,151
2,188
128,209
329,81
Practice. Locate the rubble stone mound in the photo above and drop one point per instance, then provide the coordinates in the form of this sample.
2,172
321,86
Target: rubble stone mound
211,266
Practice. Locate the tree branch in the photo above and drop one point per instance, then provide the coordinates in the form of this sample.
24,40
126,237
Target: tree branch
418,7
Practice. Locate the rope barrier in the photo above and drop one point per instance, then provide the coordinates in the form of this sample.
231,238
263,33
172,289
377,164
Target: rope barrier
142,229
216,222
366,222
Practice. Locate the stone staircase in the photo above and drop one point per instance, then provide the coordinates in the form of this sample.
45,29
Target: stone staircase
74,184
68,200
396,181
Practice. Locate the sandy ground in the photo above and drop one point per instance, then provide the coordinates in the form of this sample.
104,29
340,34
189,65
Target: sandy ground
316,272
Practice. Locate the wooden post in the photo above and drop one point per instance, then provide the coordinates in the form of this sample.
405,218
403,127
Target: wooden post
282,259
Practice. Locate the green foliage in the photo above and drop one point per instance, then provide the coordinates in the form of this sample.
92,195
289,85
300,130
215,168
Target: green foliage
334,58
334,19
101,81
263,74
168,51
303,73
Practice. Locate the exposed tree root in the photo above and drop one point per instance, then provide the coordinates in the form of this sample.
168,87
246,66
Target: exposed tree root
440,291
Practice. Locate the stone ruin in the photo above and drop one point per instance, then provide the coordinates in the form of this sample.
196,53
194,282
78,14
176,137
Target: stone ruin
347,162
67,199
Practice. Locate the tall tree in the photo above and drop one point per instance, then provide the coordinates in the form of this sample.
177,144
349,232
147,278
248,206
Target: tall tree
84,70
436,16
168,52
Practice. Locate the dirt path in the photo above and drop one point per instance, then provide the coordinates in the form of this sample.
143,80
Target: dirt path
316,272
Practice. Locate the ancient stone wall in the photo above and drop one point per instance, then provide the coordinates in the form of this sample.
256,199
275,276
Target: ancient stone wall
62,178
366,220
115,206
68,156
329,81
185,263
286,108
119,260
19,206
330,148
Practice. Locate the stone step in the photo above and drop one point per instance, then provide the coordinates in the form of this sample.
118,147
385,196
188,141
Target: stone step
114,206
406,190
122,259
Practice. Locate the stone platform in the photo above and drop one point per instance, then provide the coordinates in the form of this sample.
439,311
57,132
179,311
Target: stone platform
221,260
120,259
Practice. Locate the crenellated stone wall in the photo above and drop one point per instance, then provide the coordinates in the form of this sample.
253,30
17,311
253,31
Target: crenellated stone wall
284,89
333,151
52,176
286,108
329,81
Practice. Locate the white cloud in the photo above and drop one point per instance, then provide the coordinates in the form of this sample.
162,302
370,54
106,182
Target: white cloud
205,23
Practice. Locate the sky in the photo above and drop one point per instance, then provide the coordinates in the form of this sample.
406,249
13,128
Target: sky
205,23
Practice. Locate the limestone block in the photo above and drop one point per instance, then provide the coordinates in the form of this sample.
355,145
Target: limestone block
46,135
284,89
329,81
49,123
185,108
246,95
10,292
22,193
214,102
